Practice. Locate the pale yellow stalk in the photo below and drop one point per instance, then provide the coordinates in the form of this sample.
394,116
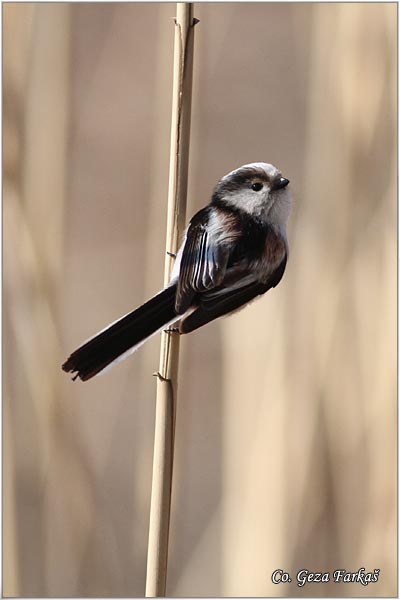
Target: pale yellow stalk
169,357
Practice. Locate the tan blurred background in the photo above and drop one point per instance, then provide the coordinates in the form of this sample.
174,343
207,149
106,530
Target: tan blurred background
287,424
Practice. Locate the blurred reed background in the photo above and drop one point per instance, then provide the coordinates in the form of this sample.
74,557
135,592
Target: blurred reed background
286,426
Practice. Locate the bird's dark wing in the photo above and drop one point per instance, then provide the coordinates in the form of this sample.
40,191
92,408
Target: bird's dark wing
220,302
204,260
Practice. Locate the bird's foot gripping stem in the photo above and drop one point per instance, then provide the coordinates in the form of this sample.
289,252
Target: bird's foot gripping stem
172,330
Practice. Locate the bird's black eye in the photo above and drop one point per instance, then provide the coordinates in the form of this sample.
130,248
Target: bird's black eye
257,186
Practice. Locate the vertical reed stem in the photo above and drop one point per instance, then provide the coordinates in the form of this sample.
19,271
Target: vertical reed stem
168,372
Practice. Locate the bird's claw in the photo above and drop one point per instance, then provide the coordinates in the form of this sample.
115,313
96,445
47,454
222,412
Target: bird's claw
159,376
172,330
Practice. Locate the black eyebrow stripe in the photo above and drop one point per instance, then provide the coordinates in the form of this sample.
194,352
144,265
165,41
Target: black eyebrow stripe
235,181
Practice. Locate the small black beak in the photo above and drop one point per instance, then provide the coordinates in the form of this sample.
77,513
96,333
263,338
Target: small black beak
280,182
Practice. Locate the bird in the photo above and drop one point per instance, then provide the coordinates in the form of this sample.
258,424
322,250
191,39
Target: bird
234,250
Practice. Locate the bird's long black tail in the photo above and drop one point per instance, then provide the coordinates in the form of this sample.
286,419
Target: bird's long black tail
122,336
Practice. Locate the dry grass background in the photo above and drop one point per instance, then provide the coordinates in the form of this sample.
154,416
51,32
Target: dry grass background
287,423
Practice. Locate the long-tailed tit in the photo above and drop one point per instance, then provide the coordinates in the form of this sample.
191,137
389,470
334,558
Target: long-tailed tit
234,250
